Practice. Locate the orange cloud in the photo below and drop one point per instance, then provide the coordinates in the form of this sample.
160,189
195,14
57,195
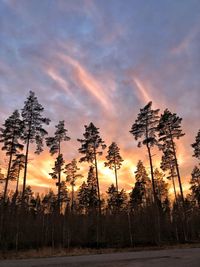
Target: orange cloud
142,91
88,81
54,75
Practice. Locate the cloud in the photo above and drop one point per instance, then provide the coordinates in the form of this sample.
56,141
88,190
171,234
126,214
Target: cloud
89,82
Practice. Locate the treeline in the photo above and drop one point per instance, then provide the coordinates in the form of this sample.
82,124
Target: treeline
86,217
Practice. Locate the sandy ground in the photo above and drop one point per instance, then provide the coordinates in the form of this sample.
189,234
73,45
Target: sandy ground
189,257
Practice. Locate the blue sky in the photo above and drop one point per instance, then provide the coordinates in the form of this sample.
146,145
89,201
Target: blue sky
101,61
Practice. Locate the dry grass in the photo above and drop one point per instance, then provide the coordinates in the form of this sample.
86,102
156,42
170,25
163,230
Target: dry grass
59,252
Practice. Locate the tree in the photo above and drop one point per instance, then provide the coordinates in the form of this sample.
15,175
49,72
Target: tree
9,136
116,200
195,184
92,146
145,128
114,160
71,177
54,143
33,130
57,169
168,165
161,186
60,135
87,194
17,165
170,129
141,191
196,146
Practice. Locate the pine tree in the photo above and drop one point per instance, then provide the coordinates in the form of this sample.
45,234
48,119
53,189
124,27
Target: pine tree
92,146
17,165
168,165
33,130
9,136
141,192
54,143
71,177
161,186
195,184
56,174
170,129
114,160
145,128
92,189
87,193
116,200
60,135
196,146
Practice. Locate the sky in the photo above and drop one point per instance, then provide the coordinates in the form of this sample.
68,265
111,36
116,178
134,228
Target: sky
101,61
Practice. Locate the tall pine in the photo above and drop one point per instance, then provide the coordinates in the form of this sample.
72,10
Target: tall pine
145,128
9,136
54,144
71,170
91,147
169,130
114,160
33,131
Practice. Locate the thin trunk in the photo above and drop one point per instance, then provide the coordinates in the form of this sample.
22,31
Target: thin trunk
8,174
156,201
174,187
152,173
59,180
181,189
177,168
116,179
97,179
72,206
26,165
17,185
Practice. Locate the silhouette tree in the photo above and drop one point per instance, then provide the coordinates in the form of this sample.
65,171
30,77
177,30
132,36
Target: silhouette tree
168,165
92,146
161,186
114,160
145,128
17,165
9,136
71,177
195,184
60,135
33,130
54,143
196,146
170,129
141,192
116,200
56,174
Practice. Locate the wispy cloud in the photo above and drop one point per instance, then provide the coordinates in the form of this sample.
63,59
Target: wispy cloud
88,82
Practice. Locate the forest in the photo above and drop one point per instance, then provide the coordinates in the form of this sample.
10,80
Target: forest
85,217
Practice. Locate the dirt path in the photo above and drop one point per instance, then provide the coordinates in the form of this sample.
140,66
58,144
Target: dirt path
160,258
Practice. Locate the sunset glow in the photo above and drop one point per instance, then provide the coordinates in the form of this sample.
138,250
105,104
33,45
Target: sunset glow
88,64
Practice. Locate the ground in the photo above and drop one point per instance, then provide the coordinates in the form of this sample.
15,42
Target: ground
188,257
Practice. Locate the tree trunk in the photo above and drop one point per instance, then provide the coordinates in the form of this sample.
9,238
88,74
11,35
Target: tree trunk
7,178
25,166
72,206
59,181
17,185
116,179
156,201
97,179
177,168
